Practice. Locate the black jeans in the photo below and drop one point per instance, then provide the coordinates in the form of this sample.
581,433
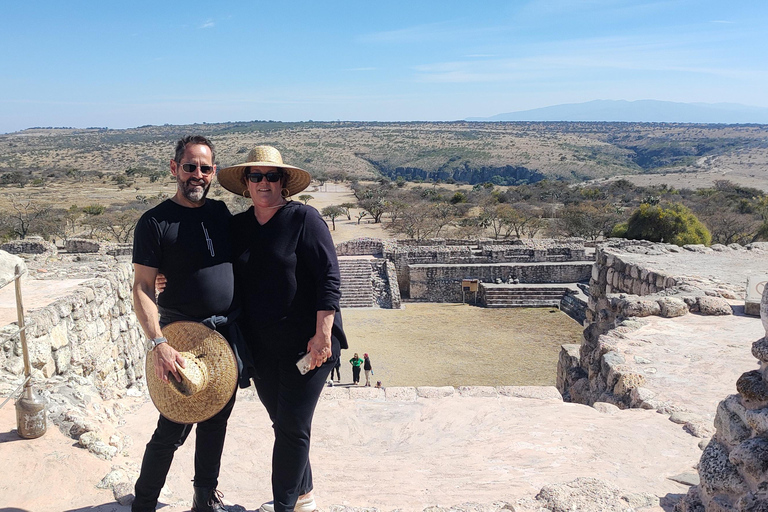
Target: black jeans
290,399
168,436
355,374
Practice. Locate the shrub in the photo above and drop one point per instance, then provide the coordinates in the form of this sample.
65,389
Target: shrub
674,224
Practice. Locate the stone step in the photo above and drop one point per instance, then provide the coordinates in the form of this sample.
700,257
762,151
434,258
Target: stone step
525,304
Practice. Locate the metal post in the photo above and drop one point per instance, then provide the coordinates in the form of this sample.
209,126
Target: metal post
30,410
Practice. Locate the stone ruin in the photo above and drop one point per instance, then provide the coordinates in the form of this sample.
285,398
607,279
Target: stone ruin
623,290
433,270
87,349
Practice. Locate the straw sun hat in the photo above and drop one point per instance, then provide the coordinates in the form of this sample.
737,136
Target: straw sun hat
207,382
231,178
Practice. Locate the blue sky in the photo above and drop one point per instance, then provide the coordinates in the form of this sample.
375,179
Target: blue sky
126,64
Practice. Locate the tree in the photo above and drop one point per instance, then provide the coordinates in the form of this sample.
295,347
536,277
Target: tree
26,215
672,223
346,207
372,198
305,198
332,212
586,220
115,225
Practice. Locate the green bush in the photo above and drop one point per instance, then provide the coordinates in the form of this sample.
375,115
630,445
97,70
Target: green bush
674,224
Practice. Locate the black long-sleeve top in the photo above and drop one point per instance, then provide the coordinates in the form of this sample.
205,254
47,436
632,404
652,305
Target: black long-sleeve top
285,272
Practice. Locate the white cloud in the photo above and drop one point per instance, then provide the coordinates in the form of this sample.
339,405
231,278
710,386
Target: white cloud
208,24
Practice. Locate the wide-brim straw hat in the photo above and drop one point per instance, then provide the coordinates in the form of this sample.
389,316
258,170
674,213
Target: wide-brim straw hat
231,178
208,381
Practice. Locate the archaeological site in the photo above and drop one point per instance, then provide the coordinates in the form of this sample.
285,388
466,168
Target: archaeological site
663,405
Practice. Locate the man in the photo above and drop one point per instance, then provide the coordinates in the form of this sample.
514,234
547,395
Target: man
186,239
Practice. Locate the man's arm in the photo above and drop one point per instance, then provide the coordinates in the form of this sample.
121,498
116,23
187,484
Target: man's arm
146,312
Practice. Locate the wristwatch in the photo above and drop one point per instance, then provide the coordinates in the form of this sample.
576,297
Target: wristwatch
155,342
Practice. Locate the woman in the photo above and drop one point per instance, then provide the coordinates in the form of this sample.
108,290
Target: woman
368,369
356,362
287,279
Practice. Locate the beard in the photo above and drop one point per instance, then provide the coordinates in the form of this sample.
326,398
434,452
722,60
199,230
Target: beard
193,190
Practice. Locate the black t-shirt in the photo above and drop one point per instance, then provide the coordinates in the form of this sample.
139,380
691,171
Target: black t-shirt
286,271
190,246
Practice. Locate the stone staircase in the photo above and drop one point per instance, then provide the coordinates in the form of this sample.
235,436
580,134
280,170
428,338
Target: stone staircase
521,295
356,283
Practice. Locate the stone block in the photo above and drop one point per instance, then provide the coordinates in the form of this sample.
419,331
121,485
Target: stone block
478,391
62,358
760,350
752,457
671,307
713,306
753,389
626,382
731,421
640,308
435,391
605,408
534,392
400,394
642,398
717,473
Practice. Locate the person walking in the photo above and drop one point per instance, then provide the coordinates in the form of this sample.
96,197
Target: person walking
337,369
356,363
187,239
288,281
368,369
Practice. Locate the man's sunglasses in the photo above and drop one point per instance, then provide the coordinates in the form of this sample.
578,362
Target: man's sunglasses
190,168
272,177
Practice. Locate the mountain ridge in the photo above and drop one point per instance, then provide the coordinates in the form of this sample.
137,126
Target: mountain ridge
639,111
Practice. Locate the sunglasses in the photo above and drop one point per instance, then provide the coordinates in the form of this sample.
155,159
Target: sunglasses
272,177
190,168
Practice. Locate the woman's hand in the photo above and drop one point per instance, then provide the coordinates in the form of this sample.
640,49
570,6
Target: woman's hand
160,282
319,346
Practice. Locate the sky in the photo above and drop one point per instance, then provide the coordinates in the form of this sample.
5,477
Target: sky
126,64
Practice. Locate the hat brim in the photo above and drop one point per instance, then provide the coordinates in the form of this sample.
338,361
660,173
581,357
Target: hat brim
211,348
230,177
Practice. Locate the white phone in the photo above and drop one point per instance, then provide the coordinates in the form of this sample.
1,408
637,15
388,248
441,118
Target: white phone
303,363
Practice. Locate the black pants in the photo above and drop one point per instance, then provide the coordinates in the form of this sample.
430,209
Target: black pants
290,399
355,374
158,455
336,369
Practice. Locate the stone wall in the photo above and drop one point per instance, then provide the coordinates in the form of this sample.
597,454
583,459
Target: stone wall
86,349
574,307
442,283
91,333
31,245
407,253
386,293
619,292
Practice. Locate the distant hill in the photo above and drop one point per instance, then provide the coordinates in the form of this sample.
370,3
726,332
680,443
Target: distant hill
468,152
641,111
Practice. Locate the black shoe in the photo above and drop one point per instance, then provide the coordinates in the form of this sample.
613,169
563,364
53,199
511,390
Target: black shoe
207,499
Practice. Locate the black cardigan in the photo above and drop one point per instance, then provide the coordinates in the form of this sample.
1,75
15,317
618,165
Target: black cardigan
285,272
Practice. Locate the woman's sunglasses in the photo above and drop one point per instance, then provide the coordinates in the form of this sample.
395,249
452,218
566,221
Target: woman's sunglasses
272,177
